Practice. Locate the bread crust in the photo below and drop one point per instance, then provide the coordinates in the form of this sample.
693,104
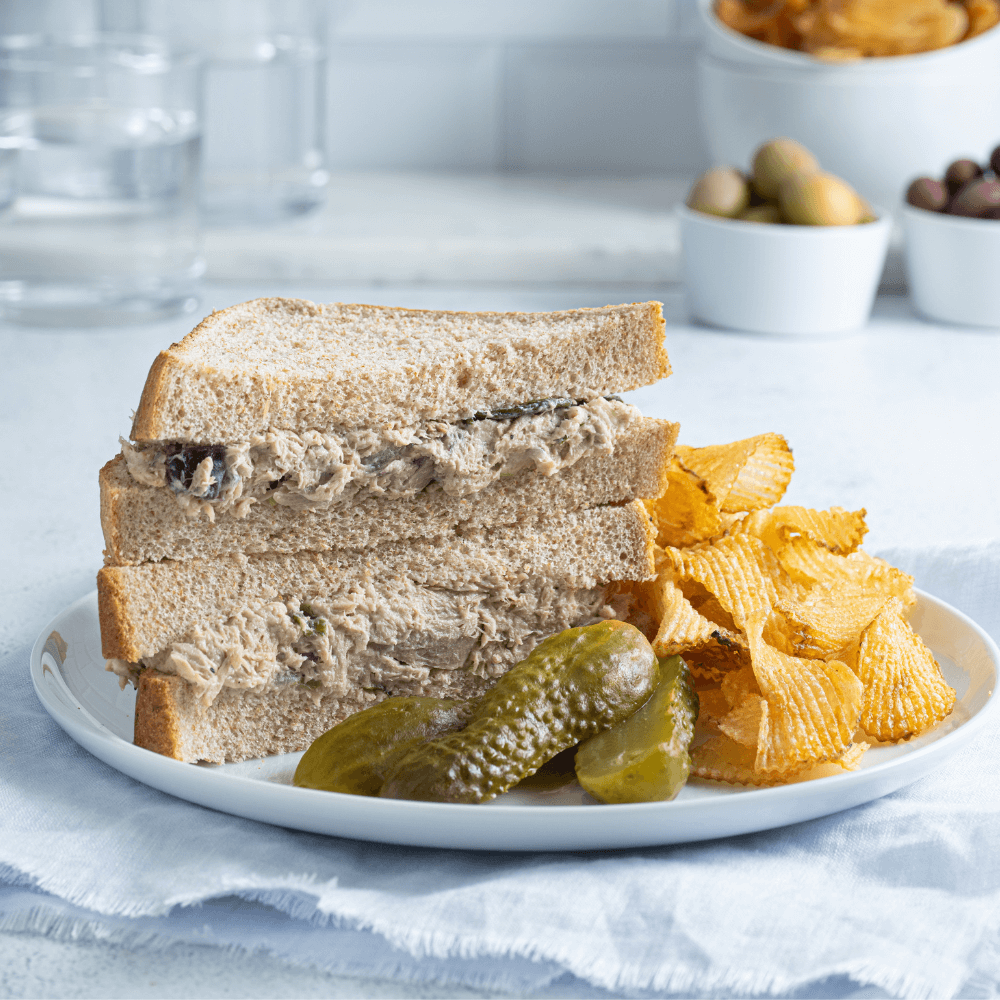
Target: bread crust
293,364
145,523
158,719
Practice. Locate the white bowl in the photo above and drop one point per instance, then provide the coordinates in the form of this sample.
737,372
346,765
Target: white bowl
724,43
878,123
781,279
953,265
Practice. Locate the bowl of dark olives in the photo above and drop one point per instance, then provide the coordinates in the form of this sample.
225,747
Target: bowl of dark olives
952,230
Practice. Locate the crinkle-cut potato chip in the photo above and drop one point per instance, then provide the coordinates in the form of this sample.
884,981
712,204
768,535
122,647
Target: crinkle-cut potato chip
714,660
742,724
809,563
851,759
712,704
904,691
722,759
708,489
811,707
745,475
836,529
739,685
681,627
828,622
740,571
688,512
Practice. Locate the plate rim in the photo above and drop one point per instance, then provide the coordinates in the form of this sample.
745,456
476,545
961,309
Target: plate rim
90,733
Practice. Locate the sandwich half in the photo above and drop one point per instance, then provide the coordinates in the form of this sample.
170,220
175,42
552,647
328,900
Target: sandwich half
321,506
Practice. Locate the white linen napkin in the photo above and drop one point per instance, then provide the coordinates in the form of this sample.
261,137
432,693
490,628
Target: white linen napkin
902,893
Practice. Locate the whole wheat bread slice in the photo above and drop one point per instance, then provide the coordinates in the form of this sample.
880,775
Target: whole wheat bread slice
291,364
145,608
145,524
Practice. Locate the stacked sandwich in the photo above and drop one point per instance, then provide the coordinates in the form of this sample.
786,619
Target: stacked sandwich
322,506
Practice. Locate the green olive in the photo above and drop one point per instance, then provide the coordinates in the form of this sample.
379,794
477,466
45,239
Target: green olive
762,213
820,200
722,191
776,161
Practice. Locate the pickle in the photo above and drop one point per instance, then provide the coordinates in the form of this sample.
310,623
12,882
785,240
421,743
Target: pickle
573,685
645,758
357,754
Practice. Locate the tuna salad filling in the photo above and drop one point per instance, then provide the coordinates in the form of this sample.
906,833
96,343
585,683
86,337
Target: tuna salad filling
399,638
316,468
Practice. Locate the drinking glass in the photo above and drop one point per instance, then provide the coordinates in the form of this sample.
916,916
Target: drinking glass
99,151
263,157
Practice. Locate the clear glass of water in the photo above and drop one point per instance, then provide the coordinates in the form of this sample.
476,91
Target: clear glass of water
99,156
263,152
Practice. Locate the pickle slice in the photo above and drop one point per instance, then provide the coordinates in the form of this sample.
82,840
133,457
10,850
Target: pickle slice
357,754
645,758
573,685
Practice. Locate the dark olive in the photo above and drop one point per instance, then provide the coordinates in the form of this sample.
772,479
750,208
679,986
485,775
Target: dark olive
927,193
960,173
995,161
976,199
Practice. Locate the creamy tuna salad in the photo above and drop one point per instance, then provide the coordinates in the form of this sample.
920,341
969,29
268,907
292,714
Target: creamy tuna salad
399,638
316,468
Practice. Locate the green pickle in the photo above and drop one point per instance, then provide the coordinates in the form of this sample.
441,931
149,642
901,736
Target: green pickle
645,758
574,685
357,754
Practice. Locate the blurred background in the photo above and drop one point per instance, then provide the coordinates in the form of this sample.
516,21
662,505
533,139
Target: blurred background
149,146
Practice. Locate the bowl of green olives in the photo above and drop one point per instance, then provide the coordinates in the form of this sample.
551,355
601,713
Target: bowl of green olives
785,248
952,230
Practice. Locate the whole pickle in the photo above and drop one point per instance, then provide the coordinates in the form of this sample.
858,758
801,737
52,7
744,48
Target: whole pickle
573,685
645,758
356,755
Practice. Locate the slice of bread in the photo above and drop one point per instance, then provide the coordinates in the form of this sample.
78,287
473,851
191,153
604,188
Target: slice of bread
292,364
145,608
146,524
238,725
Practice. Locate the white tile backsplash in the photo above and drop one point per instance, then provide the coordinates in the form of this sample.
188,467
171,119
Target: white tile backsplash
516,19
559,86
427,106
618,109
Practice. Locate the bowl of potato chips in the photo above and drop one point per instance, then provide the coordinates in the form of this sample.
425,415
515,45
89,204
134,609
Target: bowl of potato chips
856,32
877,102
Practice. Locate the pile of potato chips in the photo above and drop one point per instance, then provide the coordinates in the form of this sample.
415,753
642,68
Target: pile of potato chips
797,639
844,30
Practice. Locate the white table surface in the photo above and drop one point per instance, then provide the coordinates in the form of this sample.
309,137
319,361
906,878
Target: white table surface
901,418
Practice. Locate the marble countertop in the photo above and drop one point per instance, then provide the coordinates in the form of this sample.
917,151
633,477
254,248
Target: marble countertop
900,418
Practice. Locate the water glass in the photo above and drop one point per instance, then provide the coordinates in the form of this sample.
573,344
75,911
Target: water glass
99,153
263,155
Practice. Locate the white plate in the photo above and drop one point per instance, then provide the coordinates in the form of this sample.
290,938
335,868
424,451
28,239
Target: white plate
67,670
